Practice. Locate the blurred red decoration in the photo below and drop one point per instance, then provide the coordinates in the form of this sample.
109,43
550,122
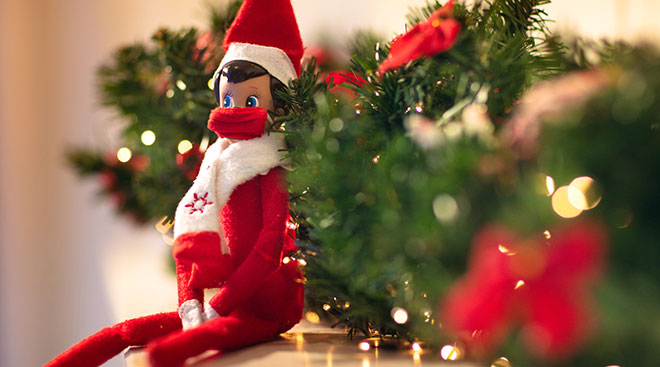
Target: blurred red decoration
322,55
428,38
162,83
190,162
205,46
339,80
541,283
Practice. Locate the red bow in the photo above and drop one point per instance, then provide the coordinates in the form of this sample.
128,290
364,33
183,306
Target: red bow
340,78
543,285
430,37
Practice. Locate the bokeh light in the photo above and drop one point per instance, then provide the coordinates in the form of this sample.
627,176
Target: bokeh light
549,185
445,208
184,146
312,317
181,85
450,352
124,154
364,346
148,137
562,206
583,193
399,315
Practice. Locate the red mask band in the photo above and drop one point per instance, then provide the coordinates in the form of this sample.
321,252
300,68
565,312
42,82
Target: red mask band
238,123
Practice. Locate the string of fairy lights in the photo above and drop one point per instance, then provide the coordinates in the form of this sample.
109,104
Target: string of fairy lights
148,137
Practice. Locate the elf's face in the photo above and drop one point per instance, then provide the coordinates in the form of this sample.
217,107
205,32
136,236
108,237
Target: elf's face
253,92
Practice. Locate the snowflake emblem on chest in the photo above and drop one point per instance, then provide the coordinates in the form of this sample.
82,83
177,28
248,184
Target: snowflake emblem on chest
198,203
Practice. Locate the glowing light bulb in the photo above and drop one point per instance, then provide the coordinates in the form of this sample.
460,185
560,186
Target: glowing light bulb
326,307
286,260
399,315
148,137
124,154
364,346
312,317
416,347
450,352
184,146
181,85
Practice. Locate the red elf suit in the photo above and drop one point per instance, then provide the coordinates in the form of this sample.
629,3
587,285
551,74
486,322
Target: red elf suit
231,227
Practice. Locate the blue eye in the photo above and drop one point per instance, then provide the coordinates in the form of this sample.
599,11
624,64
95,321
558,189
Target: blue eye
226,102
251,101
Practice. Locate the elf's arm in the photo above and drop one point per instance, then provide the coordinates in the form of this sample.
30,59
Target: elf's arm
266,254
199,264
188,250
202,260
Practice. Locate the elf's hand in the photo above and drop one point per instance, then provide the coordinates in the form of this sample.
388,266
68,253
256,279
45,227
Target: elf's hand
199,257
191,314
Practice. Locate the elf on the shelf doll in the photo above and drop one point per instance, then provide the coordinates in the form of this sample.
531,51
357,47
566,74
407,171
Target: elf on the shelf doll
231,227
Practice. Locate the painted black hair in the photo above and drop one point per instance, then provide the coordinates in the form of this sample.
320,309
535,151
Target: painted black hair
239,71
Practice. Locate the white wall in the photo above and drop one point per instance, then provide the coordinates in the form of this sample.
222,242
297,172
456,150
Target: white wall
64,271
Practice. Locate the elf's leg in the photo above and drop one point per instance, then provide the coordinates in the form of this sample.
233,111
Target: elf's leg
107,343
239,329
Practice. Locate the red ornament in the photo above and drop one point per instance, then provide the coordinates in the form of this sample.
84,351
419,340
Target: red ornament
542,284
190,161
428,38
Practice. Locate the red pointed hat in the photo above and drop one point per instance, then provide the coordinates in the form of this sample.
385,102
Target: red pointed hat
266,33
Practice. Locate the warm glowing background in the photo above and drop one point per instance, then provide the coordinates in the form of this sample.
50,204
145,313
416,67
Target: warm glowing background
68,265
